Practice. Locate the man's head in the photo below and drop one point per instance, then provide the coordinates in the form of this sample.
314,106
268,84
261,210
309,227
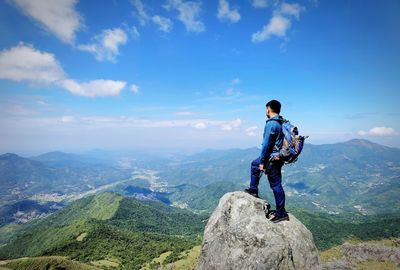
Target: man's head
273,108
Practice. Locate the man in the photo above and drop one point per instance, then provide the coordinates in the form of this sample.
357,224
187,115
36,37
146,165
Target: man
269,160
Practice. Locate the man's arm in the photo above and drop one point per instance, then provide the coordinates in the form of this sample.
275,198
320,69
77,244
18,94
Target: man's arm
269,142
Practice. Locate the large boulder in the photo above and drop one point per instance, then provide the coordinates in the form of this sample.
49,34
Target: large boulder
239,236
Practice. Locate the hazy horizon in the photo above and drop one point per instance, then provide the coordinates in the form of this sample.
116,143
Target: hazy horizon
153,151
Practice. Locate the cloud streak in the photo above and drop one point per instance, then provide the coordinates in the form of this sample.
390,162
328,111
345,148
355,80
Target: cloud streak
379,132
93,88
251,131
106,45
226,13
164,24
125,121
188,14
279,24
24,63
58,17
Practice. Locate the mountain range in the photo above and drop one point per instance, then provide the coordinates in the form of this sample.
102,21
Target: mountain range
111,231
354,178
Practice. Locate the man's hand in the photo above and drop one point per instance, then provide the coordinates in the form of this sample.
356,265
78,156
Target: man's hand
261,167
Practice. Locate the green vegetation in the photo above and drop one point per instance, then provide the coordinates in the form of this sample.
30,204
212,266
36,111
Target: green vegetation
132,249
205,198
187,261
151,216
7,231
130,231
156,261
49,262
111,231
328,233
373,265
383,242
331,254
106,263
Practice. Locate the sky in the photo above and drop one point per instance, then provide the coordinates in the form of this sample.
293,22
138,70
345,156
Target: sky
191,75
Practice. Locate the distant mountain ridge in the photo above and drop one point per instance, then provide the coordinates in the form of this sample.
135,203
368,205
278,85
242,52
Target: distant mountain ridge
356,176
60,159
54,172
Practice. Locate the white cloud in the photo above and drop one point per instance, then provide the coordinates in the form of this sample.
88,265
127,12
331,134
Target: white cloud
278,25
133,31
200,125
124,121
112,38
189,13
379,132
58,17
106,46
280,22
291,9
259,3
225,13
251,131
142,15
164,24
135,88
94,88
231,124
24,63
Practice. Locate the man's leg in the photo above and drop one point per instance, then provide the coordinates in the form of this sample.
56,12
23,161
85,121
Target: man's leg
255,175
275,182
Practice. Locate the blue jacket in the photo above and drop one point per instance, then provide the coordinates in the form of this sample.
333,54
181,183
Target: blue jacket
272,138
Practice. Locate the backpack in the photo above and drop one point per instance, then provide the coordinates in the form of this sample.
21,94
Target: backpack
293,143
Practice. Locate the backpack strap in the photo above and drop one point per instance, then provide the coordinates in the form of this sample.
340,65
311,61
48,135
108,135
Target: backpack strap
279,120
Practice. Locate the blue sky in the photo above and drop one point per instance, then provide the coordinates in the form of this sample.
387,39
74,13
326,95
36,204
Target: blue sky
190,75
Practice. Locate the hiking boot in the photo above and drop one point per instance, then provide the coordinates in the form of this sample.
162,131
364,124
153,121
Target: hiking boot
270,215
252,193
279,218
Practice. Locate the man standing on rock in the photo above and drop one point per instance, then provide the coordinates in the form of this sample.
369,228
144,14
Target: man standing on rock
269,161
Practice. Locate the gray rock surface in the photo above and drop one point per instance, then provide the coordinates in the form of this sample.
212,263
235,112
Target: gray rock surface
364,252
239,236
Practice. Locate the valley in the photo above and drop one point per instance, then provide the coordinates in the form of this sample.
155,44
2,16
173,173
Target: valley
87,209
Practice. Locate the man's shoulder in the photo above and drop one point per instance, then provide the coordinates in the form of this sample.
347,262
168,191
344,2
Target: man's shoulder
277,120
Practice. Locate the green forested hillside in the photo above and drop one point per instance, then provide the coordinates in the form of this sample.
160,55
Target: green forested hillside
108,226
203,199
127,232
48,262
328,232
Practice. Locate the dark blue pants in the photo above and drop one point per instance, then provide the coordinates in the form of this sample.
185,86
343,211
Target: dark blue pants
274,175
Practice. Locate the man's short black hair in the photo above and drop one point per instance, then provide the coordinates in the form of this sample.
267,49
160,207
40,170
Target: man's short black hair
274,105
